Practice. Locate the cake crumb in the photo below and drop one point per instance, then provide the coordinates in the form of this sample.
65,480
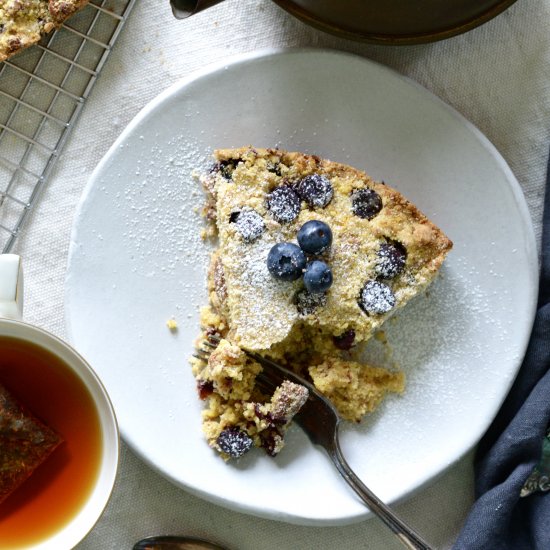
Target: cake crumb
172,324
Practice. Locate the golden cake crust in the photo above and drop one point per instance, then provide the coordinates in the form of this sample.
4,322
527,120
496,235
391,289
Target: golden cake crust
24,22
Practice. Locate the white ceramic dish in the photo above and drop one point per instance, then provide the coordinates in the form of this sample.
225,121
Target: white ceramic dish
137,260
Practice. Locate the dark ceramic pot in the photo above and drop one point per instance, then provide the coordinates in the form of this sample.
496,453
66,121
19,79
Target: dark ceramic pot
380,21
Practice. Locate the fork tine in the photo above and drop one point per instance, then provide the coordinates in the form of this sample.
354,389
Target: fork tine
214,339
278,373
202,354
320,421
211,343
265,383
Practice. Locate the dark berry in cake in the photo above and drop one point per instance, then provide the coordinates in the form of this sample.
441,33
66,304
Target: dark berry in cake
365,203
345,340
274,168
249,223
316,190
284,204
318,276
271,440
376,297
205,388
314,237
307,302
286,261
225,168
390,261
234,442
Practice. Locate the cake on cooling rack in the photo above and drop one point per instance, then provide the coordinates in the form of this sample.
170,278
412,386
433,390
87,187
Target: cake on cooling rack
313,257
25,22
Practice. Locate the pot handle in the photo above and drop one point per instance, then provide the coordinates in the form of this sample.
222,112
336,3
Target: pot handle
11,286
184,8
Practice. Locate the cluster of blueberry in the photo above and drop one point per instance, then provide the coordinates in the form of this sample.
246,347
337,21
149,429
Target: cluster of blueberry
288,261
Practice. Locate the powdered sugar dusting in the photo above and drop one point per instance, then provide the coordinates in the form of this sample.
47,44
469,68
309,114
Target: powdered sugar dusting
161,220
390,260
308,302
264,312
284,204
234,442
316,190
443,340
249,224
376,297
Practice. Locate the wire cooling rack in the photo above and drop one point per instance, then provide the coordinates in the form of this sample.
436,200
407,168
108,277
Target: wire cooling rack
42,92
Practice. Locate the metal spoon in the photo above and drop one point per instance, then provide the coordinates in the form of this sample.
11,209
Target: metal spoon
175,543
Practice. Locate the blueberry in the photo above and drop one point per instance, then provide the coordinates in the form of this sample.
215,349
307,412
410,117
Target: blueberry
205,388
318,276
390,261
345,340
376,297
316,190
271,441
249,223
314,237
286,261
284,204
234,442
225,168
274,168
365,203
307,302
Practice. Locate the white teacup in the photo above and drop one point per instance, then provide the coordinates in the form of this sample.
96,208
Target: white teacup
90,458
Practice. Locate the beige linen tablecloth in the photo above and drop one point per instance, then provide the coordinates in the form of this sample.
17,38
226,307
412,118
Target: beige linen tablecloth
497,76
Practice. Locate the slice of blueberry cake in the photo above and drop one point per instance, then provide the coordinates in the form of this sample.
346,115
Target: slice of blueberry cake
313,256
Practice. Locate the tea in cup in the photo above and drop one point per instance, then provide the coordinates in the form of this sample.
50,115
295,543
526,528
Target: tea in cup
46,382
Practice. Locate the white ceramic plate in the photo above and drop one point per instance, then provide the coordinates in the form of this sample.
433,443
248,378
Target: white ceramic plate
137,260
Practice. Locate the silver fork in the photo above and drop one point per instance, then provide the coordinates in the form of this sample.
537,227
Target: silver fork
321,422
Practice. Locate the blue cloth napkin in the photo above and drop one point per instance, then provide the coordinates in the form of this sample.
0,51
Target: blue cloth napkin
512,447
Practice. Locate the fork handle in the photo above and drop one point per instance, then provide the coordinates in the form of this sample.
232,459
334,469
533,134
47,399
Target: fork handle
404,533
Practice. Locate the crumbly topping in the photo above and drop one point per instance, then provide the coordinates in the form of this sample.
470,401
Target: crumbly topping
260,304
230,371
355,389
